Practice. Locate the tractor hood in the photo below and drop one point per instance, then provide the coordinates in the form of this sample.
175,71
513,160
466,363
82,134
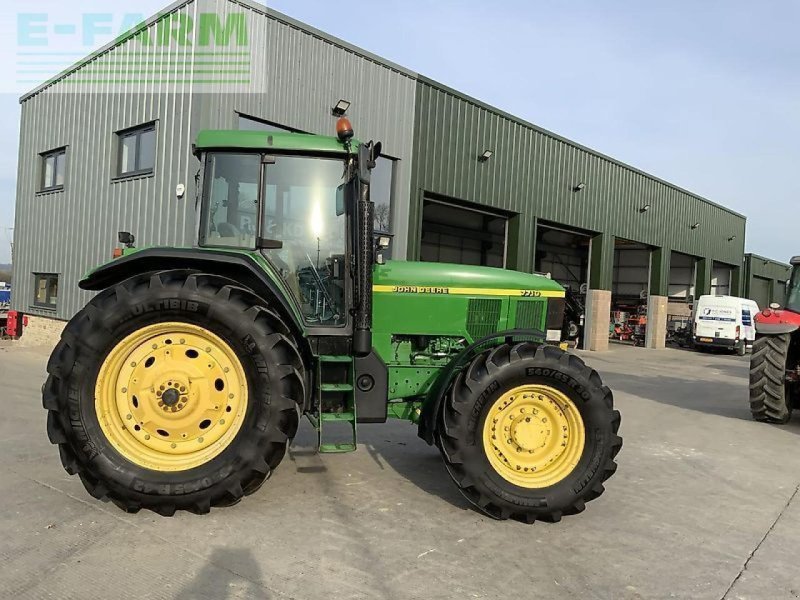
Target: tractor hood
444,278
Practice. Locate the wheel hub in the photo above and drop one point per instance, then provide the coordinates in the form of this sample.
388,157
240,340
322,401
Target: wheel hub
534,436
171,396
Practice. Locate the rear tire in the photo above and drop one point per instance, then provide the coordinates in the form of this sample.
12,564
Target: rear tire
741,349
769,398
273,387
500,491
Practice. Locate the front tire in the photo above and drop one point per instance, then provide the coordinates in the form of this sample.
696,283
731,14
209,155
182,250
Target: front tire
529,432
769,398
174,391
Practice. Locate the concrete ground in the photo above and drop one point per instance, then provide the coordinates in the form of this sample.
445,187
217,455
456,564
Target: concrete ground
704,505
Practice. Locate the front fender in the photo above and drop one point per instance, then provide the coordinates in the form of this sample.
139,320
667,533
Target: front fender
434,397
238,266
776,322
775,328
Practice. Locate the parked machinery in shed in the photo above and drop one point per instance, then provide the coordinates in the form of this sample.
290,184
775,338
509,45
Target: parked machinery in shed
775,361
180,385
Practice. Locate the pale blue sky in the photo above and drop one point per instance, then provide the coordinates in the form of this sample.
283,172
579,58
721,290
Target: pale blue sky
703,94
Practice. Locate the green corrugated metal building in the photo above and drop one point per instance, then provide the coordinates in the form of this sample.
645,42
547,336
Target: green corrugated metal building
765,279
462,181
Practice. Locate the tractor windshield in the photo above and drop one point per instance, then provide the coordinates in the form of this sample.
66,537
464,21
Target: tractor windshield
793,291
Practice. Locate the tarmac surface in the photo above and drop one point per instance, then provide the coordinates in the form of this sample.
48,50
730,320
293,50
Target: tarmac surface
704,504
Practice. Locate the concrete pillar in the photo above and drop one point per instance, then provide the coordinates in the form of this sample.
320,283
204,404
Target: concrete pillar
702,283
657,300
598,318
598,297
656,334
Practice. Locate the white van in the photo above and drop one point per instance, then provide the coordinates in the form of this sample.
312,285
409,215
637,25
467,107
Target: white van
725,322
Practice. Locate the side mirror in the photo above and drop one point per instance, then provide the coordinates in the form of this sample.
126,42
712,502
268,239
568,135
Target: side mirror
126,238
340,208
375,154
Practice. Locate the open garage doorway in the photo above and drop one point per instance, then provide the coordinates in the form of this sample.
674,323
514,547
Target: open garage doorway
452,233
564,254
721,279
682,276
629,292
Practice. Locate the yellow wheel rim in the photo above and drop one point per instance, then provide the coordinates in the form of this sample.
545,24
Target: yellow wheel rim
533,436
171,396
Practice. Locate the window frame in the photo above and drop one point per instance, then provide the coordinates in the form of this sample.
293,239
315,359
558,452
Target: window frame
138,131
44,156
47,305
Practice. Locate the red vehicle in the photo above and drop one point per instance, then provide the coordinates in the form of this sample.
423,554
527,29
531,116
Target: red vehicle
775,362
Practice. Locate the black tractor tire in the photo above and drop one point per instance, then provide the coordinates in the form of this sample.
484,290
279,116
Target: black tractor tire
769,398
262,342
464,410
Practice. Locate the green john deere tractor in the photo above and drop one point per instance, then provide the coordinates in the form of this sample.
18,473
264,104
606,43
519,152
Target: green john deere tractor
180,385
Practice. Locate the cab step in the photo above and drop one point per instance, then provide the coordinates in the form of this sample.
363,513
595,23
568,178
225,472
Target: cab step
335,376
333,358
336,387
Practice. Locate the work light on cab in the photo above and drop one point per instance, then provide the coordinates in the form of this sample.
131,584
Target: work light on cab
344,130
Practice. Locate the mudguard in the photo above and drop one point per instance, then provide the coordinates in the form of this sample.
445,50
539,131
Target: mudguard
237,266
433,400
776,322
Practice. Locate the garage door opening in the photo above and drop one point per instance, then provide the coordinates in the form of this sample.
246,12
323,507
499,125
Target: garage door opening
564,254
721,279
682,274
461,235
629,292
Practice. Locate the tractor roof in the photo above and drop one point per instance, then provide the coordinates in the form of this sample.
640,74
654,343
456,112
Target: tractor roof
271,141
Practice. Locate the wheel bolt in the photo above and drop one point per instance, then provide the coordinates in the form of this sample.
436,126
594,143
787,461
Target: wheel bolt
124,390
129,417
147,436
200,440
230,396
226,369
222,421
174,445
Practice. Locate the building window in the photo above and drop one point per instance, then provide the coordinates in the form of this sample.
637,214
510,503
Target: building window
254,124
54,164
137,151
45,293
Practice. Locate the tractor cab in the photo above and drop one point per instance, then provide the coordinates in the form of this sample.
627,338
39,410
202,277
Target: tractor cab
294,199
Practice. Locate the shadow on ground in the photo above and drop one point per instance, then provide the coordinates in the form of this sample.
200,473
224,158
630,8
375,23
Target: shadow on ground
220,578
